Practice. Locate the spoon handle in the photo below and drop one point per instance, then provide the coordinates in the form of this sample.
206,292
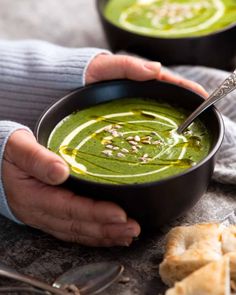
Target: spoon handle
10,289
9,272
225,88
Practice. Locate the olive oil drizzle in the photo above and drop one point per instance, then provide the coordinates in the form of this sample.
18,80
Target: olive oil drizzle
72,156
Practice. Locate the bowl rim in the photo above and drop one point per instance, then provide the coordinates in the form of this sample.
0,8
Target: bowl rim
143,184
214,33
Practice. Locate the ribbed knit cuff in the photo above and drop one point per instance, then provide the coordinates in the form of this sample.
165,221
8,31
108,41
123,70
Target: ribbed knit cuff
40,64
6,129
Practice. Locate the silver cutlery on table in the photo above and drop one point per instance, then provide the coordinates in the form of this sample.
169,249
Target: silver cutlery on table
87,280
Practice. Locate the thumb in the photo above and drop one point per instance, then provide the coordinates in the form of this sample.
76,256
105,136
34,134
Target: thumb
26,153
109,67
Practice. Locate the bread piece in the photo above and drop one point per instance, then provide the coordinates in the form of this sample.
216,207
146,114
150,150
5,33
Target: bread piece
229,248
229,239
211,279
232,258
189,248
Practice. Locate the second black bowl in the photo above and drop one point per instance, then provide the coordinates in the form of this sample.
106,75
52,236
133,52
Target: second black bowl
217,49
155,203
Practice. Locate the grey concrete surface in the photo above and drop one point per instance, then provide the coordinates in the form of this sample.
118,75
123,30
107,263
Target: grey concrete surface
75,23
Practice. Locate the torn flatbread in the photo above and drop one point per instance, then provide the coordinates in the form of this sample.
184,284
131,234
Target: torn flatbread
189,248
229,239
211,279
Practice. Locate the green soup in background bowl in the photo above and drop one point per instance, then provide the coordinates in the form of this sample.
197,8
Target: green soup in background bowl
173,32
132,140
120,141
172,18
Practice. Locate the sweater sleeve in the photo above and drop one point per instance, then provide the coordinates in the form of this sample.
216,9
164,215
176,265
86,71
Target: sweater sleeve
32,75
6,129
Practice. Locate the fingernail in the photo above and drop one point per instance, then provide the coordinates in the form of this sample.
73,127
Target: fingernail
124,243
58,172
118,219
131,232
153,66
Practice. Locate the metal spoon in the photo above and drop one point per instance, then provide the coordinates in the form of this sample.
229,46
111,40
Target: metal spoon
89,279
92,278
9,289
225,88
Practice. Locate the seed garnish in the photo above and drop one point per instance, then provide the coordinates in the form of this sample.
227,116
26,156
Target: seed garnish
115,133
117,126
108,128
137,138
130,138
108,138
157,142
134,149
124,151
133,142
107,153
146,141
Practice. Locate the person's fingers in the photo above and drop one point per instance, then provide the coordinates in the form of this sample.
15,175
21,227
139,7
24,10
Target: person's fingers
89,241
50,208
91,229
23,150
61,203
169,77
110,67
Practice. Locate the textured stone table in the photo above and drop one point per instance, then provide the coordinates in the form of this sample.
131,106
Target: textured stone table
32,252
40,255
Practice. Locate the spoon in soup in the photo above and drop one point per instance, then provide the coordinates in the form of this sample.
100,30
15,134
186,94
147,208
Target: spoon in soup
83,280
225,88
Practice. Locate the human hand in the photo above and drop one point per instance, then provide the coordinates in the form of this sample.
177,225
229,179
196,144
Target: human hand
109,67
30,175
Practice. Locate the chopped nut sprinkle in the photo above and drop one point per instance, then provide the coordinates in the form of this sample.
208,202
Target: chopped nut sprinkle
108,128
115,133
107,153
117,126
157,142
108,138
146,141
105,141
120,155
124,151
109,146
137,138
134,149
133,142
130,138
116,148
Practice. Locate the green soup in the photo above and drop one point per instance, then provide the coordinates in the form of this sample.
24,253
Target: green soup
131,140
171,18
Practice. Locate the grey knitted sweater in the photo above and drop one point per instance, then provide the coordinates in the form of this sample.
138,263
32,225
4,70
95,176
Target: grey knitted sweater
33,74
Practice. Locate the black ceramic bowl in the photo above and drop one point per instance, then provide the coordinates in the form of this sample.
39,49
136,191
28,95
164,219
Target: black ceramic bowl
155,203
217,49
